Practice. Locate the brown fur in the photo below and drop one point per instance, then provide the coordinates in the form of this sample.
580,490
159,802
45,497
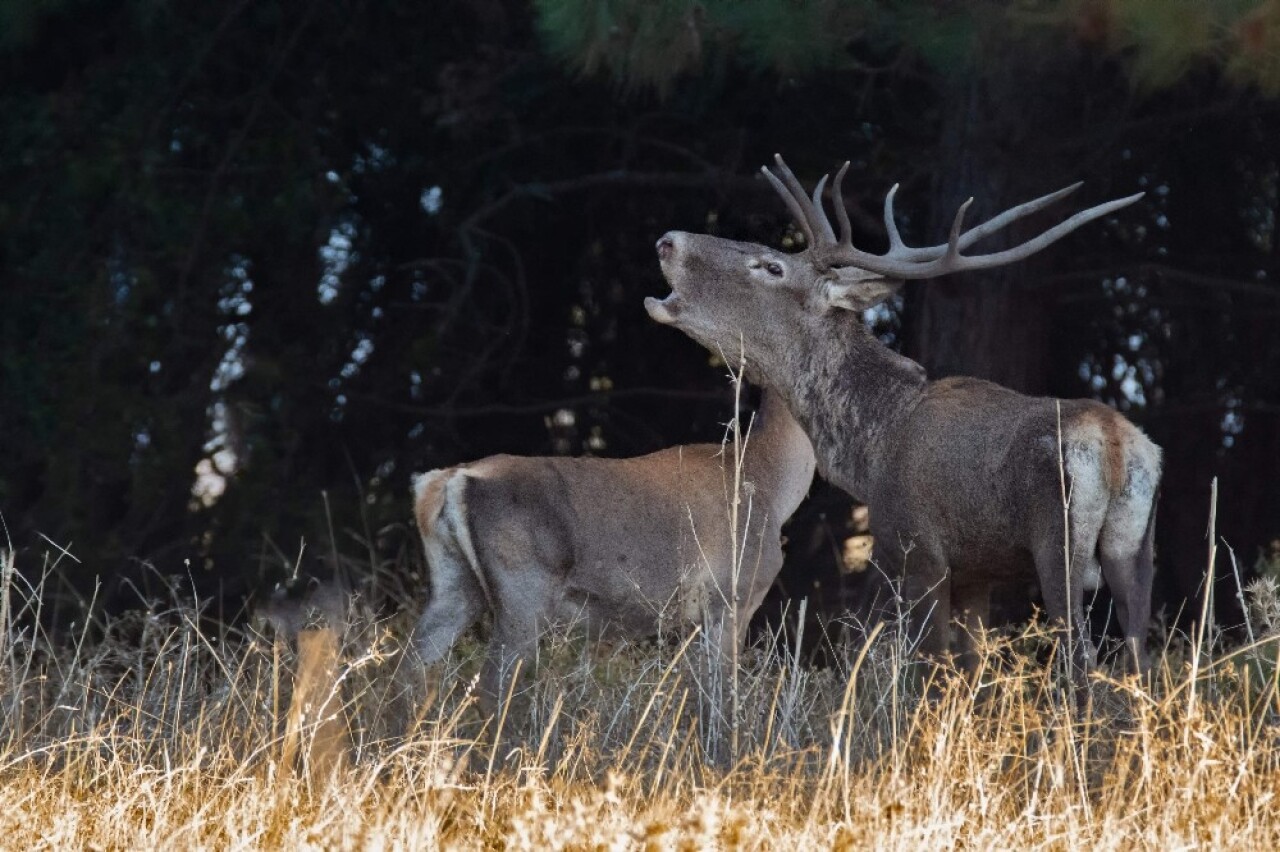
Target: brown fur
430,500
1115,436
628,546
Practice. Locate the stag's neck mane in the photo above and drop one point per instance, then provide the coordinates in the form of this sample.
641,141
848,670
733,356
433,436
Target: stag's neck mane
852,394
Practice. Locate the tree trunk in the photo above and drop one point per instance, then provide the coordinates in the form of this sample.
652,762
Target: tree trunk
1001,144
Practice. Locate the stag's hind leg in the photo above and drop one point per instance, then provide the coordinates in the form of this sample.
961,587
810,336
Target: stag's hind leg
1127,552
1065,566
1066,555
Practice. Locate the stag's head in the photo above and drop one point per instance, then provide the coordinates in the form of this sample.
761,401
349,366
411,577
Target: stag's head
725,293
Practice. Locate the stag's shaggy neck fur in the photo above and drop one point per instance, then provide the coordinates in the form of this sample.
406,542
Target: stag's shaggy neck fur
851,394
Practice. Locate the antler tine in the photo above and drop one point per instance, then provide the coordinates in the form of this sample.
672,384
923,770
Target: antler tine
815,220
906,263
896,246
898,249
1013,214
1044,240
952,261
797,211
953,241
842,215
829,234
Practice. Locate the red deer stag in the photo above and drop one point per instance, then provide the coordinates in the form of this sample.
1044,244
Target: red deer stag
965,479
624,545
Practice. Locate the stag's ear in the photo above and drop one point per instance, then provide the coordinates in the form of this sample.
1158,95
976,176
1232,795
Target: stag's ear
853,289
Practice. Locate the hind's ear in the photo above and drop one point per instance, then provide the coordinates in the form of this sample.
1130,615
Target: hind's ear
854,289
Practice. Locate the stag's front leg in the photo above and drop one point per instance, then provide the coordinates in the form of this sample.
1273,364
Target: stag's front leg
926,599
971,605
925,606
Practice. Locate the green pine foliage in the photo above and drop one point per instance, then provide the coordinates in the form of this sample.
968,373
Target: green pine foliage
795,38
648,45
645,45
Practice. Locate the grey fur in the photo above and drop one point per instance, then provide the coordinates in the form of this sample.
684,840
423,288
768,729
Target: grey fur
962,476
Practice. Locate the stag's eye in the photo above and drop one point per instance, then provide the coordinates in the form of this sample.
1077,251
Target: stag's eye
773,268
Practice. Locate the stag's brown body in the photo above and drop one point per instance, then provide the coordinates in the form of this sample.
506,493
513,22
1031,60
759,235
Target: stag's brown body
966,480
625,546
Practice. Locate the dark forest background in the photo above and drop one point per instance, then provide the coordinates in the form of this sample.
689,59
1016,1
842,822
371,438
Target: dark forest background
259,261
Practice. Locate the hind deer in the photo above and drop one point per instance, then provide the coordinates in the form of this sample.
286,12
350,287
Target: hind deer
969,483
625,545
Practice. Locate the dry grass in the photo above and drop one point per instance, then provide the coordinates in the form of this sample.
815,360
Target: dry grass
161,734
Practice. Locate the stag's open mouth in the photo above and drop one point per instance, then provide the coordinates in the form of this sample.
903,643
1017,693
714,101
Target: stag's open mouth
665,310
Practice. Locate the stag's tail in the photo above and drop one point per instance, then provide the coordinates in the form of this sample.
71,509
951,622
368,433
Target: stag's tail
459,593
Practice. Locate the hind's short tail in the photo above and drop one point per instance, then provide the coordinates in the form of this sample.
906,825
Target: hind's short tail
429,497
440,508
458,592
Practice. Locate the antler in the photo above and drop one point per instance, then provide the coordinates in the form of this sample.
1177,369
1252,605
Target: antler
904,262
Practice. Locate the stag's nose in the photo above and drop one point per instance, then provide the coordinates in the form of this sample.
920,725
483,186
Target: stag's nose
666,245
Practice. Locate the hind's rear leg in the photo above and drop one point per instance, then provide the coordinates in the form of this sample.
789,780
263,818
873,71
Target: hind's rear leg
457,602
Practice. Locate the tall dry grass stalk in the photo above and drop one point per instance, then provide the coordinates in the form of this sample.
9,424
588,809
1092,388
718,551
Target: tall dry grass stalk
150,731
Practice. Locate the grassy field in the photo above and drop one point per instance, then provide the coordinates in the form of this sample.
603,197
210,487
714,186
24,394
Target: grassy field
153,730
